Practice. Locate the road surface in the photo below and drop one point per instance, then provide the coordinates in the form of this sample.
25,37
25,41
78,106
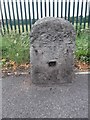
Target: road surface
22,99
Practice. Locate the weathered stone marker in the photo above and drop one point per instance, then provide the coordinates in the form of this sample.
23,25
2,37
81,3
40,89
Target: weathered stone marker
52,43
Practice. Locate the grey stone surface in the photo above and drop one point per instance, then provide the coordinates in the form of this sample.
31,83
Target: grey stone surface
51,51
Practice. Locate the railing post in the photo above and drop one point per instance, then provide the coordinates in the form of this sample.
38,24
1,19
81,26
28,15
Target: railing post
22,16
65,9
69,11
13,16
85,15
45,7
18,17
37,9
77,14
9,16
53,8
25,16
33,12
73,12
49,8
57,7
6,17
61,9
29,14
89,14
3,22
41,8
81,15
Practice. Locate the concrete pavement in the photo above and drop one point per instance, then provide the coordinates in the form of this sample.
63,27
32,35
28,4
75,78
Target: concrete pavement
22,99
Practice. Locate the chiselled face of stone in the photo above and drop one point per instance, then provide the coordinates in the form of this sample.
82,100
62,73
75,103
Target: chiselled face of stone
52,43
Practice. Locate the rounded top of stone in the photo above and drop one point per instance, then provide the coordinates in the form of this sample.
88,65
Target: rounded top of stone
51,19
51,26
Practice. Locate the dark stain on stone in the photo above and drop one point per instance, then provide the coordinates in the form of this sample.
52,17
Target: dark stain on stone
36,51
67,51
50,89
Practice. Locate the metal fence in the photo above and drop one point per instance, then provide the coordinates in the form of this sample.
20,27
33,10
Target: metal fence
19,15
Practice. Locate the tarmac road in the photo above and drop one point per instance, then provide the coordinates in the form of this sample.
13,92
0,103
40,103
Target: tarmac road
22,99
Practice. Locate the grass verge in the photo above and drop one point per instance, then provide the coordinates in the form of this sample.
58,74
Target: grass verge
82,52
16,48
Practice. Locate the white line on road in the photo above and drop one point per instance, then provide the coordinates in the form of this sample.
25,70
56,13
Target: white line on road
79,73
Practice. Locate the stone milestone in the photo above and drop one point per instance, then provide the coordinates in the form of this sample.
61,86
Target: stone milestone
52,46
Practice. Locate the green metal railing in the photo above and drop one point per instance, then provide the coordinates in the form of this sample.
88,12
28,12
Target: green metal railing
24,24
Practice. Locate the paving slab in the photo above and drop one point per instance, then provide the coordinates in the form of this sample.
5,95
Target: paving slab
22,99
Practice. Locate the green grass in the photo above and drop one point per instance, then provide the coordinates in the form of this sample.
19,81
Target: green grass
0,49
16,47
83,46
0,42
